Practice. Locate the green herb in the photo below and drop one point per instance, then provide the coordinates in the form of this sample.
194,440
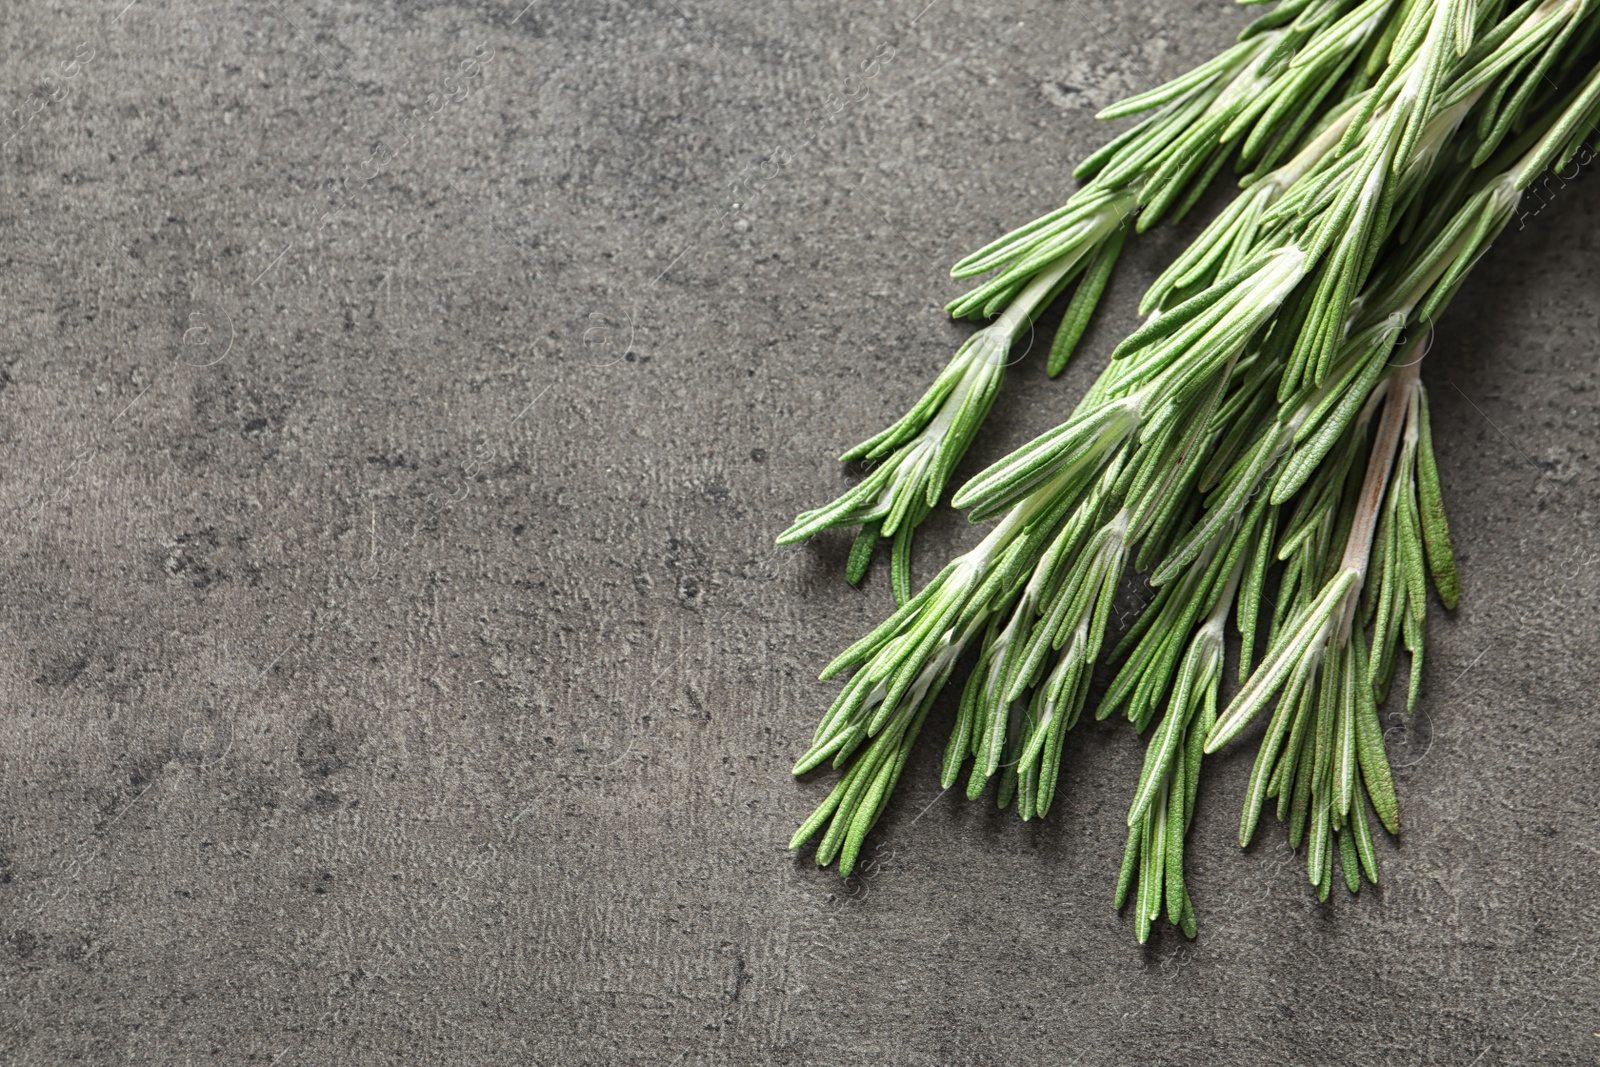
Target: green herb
1265,429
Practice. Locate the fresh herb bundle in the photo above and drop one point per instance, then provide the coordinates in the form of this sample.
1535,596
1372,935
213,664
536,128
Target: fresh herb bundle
1265,427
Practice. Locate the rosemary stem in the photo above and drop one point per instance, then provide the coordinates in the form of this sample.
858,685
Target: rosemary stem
1019,313
1358,546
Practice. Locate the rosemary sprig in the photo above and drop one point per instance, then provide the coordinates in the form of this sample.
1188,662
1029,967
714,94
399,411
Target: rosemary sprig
1319,667
1266,423
1248,104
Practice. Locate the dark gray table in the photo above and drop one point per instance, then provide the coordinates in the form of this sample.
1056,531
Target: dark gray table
399,402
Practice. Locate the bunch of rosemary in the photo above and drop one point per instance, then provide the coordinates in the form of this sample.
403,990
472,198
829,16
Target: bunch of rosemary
1264,429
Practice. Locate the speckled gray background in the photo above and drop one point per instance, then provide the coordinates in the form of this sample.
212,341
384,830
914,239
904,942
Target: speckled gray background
396,663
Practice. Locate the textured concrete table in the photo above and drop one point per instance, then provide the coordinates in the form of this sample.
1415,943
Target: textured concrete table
399,401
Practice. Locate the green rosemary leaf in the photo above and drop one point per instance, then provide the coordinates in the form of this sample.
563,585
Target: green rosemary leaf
1318,852
1194,744
1344,733
866,814
824,811
861,552
1282,782
1084,302
1300,805
1008,788
1185,176
1380,564
1414,644
1187,923
1435,530
1130,865
1363,839
1161,754
900,564
958,747
1299,694
1281,15
1176,825
1324,737
1409,539
1295,656
1250,592
1348,862
1388,608
1293,586
1374,760
851,787
1187,83
1382,48
1155,863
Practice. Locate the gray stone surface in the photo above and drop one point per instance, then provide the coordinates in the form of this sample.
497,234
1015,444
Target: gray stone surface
397,666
